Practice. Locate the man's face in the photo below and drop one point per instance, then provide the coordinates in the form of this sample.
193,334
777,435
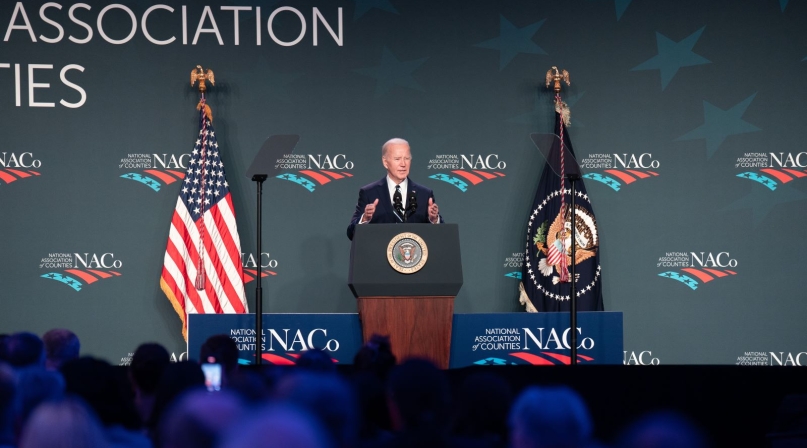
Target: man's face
397,161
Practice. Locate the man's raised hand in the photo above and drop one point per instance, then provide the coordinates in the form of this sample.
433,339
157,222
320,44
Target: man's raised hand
369,209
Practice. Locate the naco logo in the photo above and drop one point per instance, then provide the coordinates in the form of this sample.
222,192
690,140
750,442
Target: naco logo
465,169
127,360
797,359
539,346
642,358
78,269
697,267
311,170
283,345
250,265
16,166
514,261
773,168
616,170
788,359
154,170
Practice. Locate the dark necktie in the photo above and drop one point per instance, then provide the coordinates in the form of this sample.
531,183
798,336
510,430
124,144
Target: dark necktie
397,203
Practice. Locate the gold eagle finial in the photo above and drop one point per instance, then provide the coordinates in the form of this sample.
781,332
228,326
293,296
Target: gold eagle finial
199,74
553,75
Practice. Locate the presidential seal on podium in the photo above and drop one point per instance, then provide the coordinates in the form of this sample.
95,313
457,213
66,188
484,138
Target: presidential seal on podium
407,253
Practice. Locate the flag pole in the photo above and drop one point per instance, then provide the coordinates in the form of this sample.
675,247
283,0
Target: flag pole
554,77
259,179
573,295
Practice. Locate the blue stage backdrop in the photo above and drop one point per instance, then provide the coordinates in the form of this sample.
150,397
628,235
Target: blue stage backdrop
687,117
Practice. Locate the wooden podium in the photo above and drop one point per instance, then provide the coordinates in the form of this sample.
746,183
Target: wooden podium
414,309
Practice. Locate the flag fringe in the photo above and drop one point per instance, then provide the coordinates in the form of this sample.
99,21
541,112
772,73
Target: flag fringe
177,307
525,300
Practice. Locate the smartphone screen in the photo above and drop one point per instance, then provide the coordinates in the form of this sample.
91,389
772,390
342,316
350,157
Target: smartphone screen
212,376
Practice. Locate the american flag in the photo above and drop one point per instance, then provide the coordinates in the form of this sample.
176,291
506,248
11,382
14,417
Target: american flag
202,270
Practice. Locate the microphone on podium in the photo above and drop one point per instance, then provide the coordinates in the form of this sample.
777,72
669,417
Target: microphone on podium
411,204
397,204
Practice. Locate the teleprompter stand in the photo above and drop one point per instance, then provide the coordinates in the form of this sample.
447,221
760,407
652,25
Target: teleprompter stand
264,165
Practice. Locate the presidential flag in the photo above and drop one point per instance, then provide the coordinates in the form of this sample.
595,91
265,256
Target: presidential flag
546,279
202,270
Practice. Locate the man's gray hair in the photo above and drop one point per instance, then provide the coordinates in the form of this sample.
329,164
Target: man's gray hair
392,141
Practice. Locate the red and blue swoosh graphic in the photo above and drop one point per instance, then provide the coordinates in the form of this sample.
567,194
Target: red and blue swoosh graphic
540,359
9,175
287,359
310,179
461,178
154,179
616,178
692,277
77,278
771,178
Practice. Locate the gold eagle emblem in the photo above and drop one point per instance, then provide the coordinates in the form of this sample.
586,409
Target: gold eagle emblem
199,74
559,240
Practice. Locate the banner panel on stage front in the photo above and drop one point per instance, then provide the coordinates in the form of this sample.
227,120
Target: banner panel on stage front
285,336
535,338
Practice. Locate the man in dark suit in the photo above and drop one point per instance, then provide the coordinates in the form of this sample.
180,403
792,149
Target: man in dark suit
378,200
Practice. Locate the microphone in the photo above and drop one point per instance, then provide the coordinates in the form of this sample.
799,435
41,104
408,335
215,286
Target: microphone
411,203
397,204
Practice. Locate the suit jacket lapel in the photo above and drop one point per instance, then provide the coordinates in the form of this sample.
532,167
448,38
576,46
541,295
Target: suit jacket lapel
385,202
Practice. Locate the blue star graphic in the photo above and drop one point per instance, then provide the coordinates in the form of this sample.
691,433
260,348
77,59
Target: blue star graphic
543,112
275,84
672,56
362,6
762,201
392,72
719,124
783,4
620,6
513,40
